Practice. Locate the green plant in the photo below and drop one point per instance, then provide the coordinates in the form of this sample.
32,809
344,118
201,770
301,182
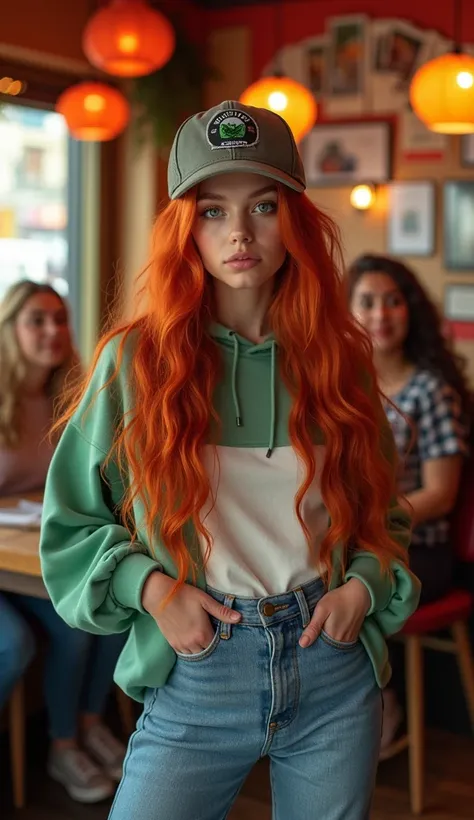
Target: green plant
162,100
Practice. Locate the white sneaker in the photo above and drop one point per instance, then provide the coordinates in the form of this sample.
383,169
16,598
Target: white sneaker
106,750
81,778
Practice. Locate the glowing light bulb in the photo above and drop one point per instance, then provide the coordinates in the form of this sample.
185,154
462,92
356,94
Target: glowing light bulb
278,101
128,43
362,197
465,79
94,103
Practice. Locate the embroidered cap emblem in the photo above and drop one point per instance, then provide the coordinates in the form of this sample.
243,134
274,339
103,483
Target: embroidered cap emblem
232,129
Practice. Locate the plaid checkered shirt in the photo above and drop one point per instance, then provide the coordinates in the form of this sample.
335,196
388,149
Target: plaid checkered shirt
433,427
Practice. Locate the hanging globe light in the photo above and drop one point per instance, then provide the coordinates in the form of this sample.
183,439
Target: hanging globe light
127,38
94,111
442,94
286,97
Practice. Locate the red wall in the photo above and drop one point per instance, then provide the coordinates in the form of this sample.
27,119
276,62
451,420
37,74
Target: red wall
51,26
56,26
303,19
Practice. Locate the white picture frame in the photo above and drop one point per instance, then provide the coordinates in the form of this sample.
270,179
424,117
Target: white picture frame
411,218
459,302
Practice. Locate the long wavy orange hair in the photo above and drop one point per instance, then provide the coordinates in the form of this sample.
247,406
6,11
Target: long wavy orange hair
325,361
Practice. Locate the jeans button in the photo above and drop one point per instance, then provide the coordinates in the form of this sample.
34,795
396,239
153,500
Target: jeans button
269,610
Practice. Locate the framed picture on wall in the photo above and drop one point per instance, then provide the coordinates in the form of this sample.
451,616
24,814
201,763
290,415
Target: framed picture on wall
348,66
316,63
347,74
459,312
411,218
458,222
346,154
467,150
459,303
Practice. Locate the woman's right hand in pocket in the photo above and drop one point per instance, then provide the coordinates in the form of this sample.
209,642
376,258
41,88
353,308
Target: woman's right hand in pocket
184,621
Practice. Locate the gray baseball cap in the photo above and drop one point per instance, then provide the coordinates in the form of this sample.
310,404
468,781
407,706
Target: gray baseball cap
231,138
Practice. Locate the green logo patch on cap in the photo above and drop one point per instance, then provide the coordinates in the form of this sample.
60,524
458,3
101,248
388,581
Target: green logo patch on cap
232,129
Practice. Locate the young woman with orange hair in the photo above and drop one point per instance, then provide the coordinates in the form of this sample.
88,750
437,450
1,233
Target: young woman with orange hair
225,489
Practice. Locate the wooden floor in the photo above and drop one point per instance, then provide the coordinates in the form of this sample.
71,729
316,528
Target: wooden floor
450,789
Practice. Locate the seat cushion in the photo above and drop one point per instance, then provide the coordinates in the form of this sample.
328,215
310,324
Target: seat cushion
455,606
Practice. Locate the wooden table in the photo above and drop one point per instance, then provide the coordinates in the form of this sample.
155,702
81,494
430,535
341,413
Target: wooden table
20,569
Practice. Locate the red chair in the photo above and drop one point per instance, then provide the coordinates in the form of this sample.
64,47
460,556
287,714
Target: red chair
449,613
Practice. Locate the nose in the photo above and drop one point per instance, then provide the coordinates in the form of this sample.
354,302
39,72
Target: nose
51,328
380,310
240,231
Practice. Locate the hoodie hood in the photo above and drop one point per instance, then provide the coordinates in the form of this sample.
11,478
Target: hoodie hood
239,347
226,337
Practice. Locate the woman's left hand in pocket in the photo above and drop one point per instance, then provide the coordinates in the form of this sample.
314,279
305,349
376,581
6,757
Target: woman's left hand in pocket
340,613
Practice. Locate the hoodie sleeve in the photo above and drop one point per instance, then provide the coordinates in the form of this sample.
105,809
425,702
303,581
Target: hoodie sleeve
92,571
394,596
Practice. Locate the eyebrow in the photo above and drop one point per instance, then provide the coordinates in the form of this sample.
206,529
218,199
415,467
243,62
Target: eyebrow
385,293
43,311
219,197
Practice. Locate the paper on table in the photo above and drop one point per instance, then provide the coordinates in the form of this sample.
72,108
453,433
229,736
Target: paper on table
25,514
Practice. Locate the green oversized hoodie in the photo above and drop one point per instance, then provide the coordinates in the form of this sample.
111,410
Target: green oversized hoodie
94,574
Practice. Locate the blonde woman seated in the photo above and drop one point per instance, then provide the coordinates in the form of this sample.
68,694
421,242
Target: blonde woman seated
35,356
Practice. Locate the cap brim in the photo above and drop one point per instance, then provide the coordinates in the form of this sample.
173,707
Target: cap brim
237,166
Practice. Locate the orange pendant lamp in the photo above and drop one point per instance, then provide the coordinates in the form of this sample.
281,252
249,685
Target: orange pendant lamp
94,111
442,90
128,38
286,97
442,94
291,100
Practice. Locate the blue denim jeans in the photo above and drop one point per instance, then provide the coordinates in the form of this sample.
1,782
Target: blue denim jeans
79,667
316,713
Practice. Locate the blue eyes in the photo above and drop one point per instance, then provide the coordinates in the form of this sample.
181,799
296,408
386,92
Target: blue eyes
261,208
211,213
265,207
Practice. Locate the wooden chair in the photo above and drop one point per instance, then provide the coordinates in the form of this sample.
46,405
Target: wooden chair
17,723
451,613
17,743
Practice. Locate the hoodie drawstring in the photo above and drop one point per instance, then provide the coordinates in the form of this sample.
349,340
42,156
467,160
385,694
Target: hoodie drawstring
272,401
238,417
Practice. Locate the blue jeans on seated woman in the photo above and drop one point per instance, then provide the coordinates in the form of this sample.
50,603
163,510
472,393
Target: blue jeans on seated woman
315,712
79,667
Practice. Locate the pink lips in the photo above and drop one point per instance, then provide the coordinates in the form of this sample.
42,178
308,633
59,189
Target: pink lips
242,261
382,333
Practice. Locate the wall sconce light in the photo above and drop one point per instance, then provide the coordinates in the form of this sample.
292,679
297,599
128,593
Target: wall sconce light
362,197
11,87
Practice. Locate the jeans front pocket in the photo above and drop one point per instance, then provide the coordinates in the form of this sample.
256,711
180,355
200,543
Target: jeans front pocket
204,653
342,646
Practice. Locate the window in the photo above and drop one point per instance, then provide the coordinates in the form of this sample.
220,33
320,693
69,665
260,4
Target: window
37,169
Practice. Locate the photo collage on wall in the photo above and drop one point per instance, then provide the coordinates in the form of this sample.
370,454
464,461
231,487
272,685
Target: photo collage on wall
359,71
361,66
